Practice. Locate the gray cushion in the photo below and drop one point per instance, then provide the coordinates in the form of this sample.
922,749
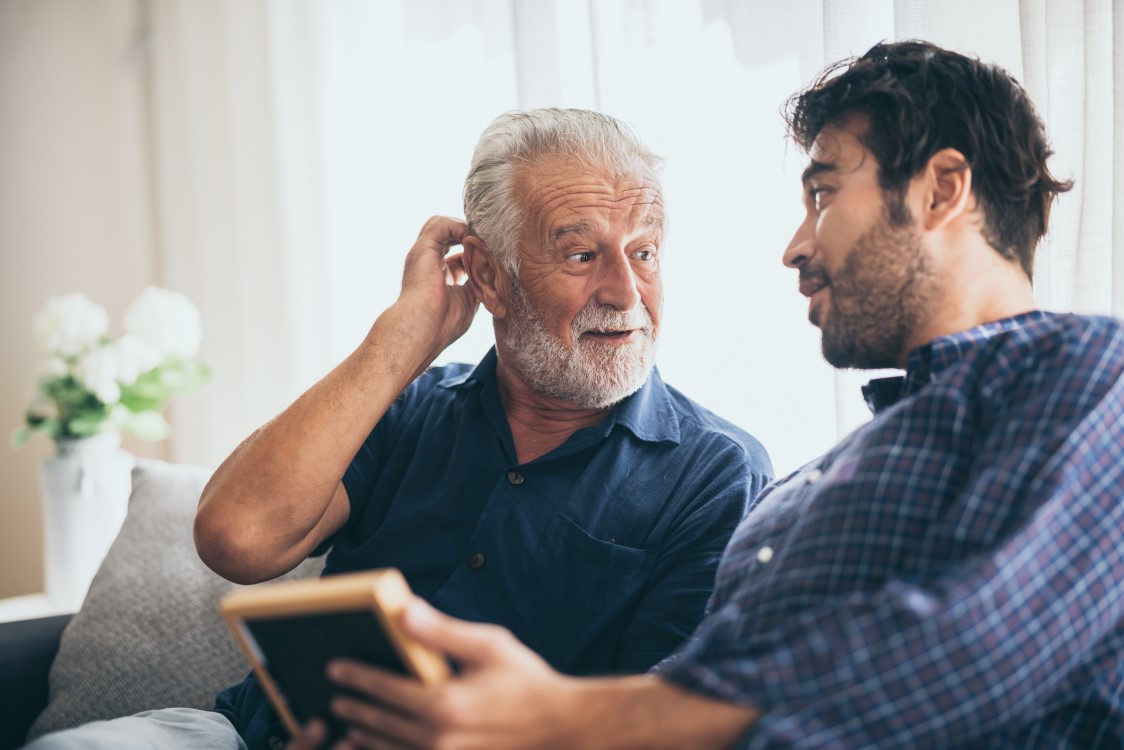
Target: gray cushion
148,634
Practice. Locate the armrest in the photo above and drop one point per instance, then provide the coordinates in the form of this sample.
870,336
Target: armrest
27,649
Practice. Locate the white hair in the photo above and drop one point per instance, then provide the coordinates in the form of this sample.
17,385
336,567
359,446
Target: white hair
517,140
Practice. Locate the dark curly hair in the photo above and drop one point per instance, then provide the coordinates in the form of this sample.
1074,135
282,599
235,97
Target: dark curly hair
918,99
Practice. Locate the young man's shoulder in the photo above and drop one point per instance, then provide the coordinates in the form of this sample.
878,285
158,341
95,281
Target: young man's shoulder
1059,347
1054,369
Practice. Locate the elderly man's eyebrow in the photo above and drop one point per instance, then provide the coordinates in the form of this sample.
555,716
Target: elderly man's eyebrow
580,228
815,168
651,223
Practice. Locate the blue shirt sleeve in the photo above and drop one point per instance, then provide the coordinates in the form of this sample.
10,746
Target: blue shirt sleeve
363,472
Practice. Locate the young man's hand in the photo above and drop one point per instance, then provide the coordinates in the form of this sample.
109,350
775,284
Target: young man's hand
505,697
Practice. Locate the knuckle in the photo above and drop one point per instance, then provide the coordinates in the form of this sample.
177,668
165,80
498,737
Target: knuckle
493,639
445,709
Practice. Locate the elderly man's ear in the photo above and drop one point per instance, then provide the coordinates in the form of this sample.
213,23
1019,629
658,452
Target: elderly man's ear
486,278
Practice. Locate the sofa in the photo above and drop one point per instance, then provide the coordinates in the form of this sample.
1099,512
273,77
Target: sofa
148,634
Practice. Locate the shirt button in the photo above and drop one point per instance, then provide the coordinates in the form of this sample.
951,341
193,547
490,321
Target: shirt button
764,555
276,743
476,562
514,477
814,476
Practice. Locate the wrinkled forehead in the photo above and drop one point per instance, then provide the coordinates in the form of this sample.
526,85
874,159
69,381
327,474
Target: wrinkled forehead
562,190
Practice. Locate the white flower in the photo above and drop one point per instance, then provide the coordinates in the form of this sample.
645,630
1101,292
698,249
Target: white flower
84,374
97,372
70,324
54,366
134,357
167,320
104,370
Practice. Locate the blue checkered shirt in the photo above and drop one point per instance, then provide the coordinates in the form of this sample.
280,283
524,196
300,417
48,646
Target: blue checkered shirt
952,573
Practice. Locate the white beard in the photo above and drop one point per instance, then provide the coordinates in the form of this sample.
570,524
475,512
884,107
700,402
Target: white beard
593,374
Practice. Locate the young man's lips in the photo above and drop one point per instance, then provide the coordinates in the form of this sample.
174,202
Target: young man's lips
809,287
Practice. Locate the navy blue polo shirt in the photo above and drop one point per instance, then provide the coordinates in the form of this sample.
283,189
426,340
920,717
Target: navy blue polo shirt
599,555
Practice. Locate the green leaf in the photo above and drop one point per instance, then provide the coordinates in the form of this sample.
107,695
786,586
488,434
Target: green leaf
20,437
149,425
49,427
180,376
87,424
145,397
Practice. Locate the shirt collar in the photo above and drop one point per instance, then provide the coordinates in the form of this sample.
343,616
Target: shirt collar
483,374
647,414
928,361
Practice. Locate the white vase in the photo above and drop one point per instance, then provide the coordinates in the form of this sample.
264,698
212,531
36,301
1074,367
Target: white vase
85,497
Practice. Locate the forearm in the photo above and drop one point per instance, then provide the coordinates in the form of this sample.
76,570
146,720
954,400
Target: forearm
276,497
645,713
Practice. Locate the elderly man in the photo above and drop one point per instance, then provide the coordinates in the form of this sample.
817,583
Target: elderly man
952,573
558,487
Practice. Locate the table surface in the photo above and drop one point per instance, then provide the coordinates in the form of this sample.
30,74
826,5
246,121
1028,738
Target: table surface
28,607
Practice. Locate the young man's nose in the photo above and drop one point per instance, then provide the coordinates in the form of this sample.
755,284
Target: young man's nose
801,248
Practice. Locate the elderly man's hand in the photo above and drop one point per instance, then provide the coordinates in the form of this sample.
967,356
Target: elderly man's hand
438,306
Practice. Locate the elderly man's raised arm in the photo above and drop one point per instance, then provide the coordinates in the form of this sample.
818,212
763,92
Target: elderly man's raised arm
279,495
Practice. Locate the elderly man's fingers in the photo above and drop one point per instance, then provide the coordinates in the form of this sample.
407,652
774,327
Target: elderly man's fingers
442,231
455,271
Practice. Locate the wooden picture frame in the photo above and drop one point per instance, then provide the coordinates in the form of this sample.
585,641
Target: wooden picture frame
289,632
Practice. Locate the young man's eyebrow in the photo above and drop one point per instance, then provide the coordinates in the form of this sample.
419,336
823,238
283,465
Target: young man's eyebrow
815,168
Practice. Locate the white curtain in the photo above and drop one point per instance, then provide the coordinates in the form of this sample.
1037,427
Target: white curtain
300,145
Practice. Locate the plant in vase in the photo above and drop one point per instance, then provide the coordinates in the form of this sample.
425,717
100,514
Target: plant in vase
91,388
92,384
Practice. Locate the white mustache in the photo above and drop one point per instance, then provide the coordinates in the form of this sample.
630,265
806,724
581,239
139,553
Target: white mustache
592,318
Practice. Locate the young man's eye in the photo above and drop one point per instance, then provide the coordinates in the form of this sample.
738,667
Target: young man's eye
818,195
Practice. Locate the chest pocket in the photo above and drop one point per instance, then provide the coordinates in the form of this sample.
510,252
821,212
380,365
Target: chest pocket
585,594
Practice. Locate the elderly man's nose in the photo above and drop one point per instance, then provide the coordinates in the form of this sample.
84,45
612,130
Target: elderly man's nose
617,285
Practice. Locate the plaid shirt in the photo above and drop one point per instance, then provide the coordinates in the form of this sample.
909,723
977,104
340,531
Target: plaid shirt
952,573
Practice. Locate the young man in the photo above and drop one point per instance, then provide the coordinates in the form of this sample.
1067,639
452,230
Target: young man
558,487
952,573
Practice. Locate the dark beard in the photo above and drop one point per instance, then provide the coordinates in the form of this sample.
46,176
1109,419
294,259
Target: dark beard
879,299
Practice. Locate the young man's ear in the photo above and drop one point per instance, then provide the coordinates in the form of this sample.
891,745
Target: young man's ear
946,189
485,277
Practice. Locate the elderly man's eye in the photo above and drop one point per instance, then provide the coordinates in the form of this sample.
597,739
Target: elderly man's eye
646,253
584,256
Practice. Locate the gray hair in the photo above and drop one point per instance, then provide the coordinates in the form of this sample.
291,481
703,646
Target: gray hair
517,140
